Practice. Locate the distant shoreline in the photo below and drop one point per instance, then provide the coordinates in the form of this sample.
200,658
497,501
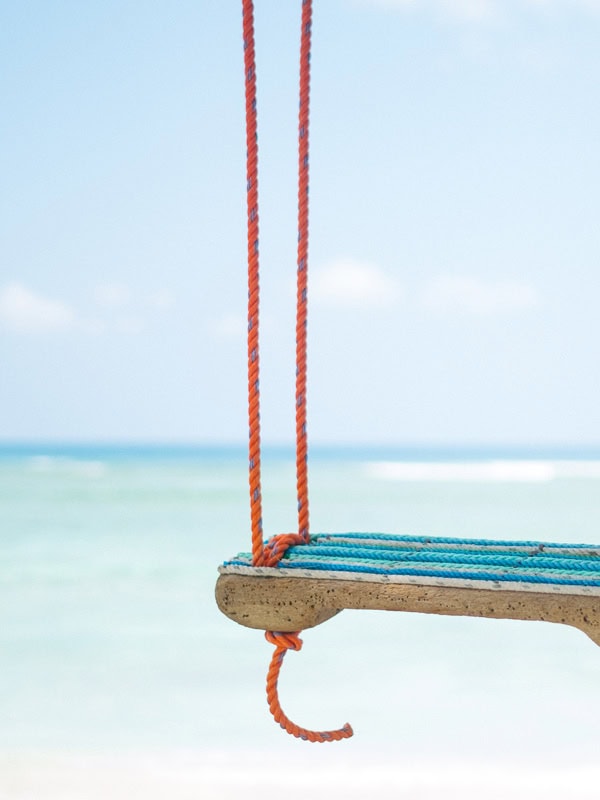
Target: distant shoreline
285,452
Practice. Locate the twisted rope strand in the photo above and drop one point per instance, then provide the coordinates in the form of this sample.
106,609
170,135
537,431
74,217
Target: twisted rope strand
302,273
284,642
254,471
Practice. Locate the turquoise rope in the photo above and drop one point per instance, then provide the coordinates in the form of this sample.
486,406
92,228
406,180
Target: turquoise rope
546,563
434,540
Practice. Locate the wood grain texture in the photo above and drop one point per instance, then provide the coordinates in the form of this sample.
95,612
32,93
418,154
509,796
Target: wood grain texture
293,604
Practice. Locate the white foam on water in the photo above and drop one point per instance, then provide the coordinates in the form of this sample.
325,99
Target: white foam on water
499,471
86,468
578,469
42,463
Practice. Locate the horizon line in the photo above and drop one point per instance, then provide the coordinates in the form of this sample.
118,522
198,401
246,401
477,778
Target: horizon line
56,444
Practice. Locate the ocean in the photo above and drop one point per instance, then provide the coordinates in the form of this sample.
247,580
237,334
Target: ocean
120,678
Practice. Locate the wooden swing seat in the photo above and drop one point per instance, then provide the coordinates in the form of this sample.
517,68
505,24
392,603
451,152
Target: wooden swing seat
458,577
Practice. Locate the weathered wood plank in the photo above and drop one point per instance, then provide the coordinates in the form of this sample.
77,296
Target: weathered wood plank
292,604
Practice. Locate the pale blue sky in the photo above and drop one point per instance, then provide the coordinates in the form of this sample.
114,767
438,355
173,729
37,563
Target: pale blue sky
455,245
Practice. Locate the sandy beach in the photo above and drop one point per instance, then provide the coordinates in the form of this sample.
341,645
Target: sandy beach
219,776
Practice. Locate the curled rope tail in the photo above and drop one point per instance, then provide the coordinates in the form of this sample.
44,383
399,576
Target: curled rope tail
284,642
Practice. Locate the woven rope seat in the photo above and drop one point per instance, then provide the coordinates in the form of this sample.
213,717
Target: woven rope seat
482,578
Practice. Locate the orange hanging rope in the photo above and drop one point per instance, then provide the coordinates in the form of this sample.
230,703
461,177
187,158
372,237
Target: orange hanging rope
302,274
253,285
284,642
271,554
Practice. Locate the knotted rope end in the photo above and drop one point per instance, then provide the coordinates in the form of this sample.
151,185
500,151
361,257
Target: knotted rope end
284,642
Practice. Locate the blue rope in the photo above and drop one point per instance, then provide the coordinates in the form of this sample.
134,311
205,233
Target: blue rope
443,540
545,563
468,559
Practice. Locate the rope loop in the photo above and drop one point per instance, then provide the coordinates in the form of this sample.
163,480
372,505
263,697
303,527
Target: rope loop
277,546
284,642
287,641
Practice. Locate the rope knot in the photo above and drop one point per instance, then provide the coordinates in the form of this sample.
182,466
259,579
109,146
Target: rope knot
277,547
284,642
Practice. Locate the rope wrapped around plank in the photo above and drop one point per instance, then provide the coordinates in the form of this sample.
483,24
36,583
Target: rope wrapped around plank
504,579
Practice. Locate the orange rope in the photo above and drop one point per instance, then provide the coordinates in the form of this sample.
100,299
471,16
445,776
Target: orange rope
276,547
253,285
271,554
284,642
302,274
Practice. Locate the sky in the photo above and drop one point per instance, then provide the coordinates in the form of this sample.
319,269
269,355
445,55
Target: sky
455,243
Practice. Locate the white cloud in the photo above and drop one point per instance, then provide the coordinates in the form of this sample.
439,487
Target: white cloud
479,9
353,284
474,296
469,9
463,9
130,325
23,311
125,311
112,295
116,296
162,299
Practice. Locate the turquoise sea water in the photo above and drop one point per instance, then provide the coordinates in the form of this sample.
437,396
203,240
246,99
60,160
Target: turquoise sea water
111,646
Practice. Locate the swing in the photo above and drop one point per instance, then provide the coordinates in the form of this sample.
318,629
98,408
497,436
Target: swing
296,581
